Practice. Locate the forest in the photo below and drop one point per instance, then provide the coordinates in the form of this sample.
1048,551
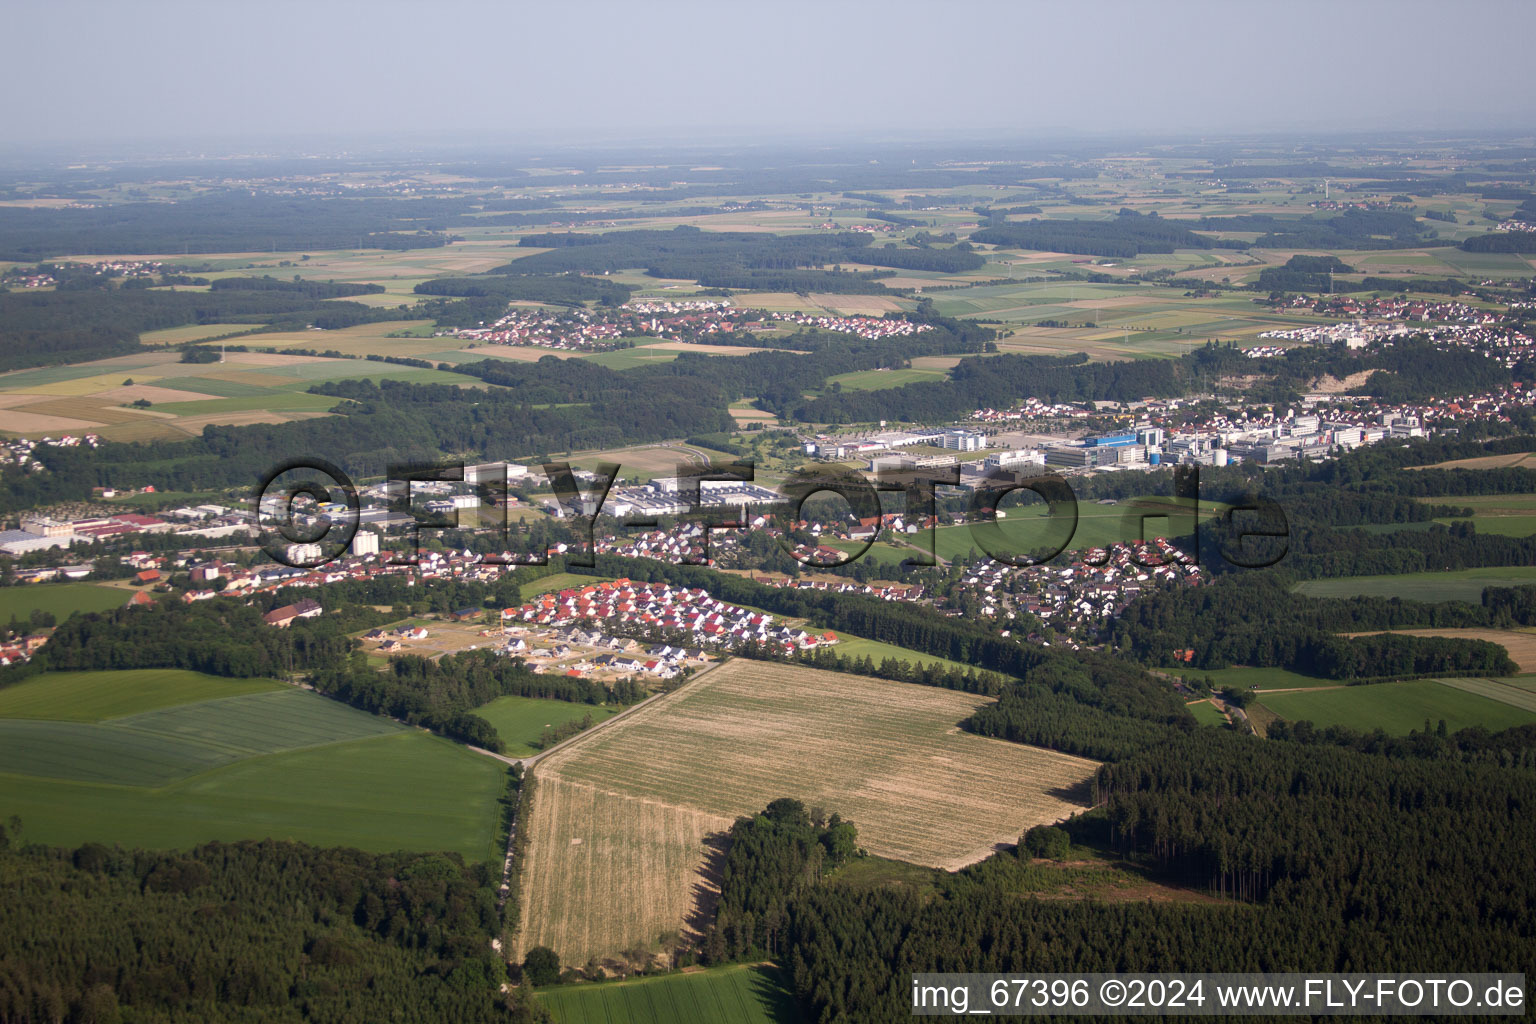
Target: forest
732,259
80,324
226,221
1352,229
483,299
244,933
1255,620
1320,857
1129,234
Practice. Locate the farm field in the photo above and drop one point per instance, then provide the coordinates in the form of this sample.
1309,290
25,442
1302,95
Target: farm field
640,355
191,333
95,696
645,461
850,646
1500,524
1206,714
246,388
876,380
362,340
1026,526
159,746
1512,459
61,600
623,821
1253,678
738,994
558,581
1397,708
1453,585
1494,504
879,553
1514,692
403,791
520,720
160,758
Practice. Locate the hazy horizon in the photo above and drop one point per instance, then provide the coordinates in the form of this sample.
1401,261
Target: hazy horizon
592,75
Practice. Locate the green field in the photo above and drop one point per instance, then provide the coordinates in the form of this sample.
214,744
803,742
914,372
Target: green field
270,401
558,581
879,553
164,499
1487,502
878,380
1028,526
1206,714
404,791
1455,585
59,599
95,696
850,646
520,720
1397,708
192,332
1251,678
153,748
162,758
627,358
1499,525
742,994
1519,692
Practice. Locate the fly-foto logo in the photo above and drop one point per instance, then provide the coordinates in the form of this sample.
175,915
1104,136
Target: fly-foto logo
1249,531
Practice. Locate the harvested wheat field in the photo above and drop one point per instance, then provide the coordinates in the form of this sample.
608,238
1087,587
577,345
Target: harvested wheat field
1508,460
624,820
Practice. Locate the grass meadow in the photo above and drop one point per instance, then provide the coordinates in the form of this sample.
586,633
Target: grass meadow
59,599
738,994
1454,585
520,720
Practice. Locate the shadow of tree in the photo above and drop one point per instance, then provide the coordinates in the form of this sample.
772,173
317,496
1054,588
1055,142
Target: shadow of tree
706,891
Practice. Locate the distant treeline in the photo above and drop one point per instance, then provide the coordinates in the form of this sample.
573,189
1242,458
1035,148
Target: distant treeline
75,325
1352,229
298,286
897,219
483,299
1129,234
998,381
226,222
733,259
1504,241
1303,274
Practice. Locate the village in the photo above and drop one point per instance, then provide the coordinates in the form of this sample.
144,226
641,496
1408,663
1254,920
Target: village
688,320
1074,602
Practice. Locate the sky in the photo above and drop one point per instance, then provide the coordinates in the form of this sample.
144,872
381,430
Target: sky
573,73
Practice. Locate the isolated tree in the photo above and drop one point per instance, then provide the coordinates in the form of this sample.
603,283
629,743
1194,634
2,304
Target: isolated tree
1046,841
541,966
